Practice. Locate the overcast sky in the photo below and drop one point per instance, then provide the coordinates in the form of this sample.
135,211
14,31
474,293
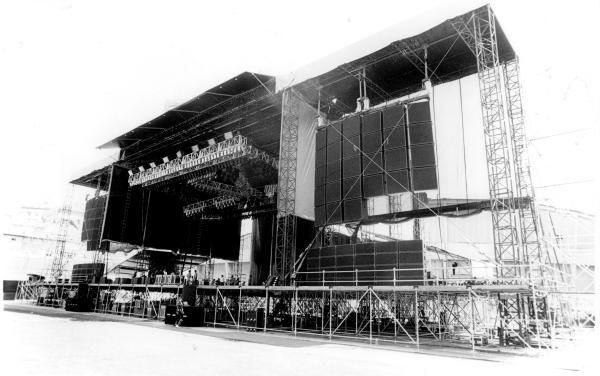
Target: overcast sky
74,74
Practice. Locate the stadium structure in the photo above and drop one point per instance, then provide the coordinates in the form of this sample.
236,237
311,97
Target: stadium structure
388,198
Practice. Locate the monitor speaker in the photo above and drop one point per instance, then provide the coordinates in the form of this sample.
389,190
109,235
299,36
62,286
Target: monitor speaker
321,139
334,135
372,122
393,116
422,155
321,157
395,159
334,152
312,263
327,251
394,137
320,175
371,142
410,245
373,185
334,171
334,213
320,215
320,195
344,250
424,178
351,188
420,134
333,191
412,258
351,147
327,263
353,209
396,181
418,112
372,164
351,167
351,126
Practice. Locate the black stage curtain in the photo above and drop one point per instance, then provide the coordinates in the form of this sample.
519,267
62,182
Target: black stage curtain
262,237
220,239
138,216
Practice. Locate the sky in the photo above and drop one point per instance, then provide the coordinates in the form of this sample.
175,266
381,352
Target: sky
74,74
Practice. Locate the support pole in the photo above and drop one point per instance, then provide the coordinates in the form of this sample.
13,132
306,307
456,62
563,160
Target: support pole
395,309
472,320
330,313
216,305
266,315
239,310
439,308
370,315
295,305
417,317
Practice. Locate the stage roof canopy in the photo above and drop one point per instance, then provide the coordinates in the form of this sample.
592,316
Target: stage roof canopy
219,96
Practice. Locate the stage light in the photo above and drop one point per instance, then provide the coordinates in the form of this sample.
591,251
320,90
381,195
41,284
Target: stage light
165,159
152,164
141,168
211,141
195,148
228,135
130,172
179,154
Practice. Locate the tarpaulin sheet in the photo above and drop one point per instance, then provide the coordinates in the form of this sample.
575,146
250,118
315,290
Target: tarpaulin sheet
305,165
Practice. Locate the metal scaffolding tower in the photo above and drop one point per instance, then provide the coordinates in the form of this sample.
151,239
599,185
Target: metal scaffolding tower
530,226
284,253
61,256
479,34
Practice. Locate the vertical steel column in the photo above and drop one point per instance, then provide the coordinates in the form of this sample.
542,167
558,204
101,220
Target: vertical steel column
417,316
330,308
370,314
239,310
472,320
266,309
395,309
439,308
285,236
216,304
295,305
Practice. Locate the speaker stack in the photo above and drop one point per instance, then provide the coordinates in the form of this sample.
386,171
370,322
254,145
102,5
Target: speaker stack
382,152
371,263
422,151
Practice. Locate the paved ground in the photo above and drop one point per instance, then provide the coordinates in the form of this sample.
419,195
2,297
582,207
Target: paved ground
49,341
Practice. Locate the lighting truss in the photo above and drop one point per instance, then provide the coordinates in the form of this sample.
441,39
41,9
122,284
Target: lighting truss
224,151
220,202
221,188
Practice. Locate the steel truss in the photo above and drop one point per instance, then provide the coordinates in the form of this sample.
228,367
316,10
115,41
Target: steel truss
284,253
530,226
517,229
231,149
479,34
61,256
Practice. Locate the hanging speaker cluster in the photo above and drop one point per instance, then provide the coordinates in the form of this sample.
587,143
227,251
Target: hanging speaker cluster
380,152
